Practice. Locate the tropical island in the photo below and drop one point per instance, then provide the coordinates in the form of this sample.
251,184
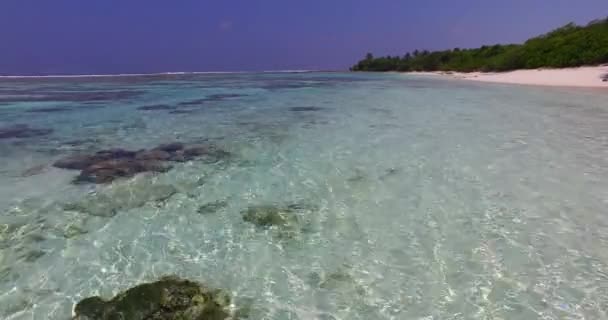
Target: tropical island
570,46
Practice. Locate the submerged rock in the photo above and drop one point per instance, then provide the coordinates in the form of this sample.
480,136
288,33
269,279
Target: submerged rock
285,221
156,107
107,171
75,162
153,154
223,96
211,98
35,170
83,161
171,147
287,216
32,255
73,230
197,151
217,155
212,207
170,298
269,216
22,131
390,172
183,111
335,279
305,109
358,177
193,102
122,197
49,110
107,165
115,153
340,280
51,95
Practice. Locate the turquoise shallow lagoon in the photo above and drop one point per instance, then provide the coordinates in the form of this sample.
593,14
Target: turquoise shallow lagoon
416,197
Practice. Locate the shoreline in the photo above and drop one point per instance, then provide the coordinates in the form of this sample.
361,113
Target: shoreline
582,77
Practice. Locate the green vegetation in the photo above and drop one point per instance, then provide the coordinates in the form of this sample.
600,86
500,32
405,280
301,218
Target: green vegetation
568,46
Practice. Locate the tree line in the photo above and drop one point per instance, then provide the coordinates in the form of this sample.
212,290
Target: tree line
569,46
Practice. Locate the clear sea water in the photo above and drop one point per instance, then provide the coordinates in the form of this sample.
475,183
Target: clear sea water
427,198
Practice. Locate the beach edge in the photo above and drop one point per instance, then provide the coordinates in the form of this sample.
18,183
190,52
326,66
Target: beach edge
583,77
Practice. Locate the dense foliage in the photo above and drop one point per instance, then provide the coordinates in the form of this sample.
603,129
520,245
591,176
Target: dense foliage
568,46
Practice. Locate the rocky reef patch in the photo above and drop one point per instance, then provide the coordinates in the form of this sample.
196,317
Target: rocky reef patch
169,298
289,220
22,131
157,107
105,166
49,110
306,109
212,207
40,94
211,98
122,197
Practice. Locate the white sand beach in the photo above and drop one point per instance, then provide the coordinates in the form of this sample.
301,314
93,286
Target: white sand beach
590,77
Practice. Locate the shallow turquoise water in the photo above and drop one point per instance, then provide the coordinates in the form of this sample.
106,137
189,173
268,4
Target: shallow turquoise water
425,198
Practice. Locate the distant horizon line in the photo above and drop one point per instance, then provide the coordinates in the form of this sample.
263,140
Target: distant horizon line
159,74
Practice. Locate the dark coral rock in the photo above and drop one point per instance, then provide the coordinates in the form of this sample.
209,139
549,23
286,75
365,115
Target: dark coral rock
80,142
285,221
34,170
335,279
213,155
81,161
358,177
50,110
211,98
157,107
178,156
92,308
209,154
155,166
223,96
182,111
73,230
109,170
32,255
212,207
122,198
268,216
299,206
390,172
171,147
153,154
69,96
304,109
170,298
107,165
76,162
92,106
109,95
278,85
193,102
22,131
196,151
115,153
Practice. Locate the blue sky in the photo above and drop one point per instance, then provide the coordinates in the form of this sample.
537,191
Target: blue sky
131,36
